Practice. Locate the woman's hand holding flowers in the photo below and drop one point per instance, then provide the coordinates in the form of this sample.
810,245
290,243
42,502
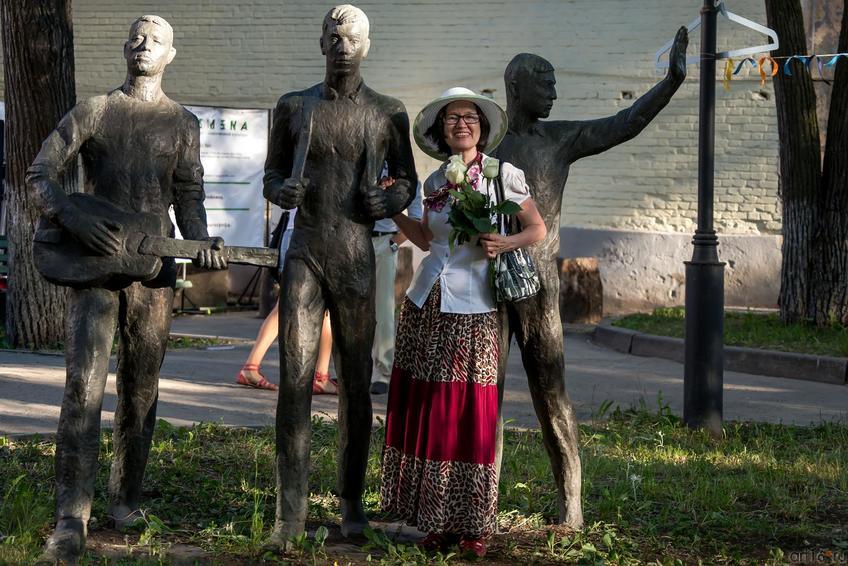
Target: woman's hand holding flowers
494,244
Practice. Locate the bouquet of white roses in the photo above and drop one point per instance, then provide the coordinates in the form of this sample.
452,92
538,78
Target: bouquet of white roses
471,211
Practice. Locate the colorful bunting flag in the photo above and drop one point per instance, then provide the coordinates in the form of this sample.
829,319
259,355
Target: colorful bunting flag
761,66
768,66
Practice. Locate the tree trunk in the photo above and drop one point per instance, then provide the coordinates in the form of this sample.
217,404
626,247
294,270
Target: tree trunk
822,19
831,266
38,55
800,164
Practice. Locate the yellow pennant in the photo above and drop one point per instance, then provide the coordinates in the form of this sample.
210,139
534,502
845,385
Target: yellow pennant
728,72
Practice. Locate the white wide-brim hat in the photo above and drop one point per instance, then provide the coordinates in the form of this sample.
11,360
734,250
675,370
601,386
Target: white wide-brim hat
427,117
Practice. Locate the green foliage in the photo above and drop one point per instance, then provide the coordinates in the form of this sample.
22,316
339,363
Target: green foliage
749,329
174,342
257,518
471,214
654,492
22,512
407,554
179,342
27,501
303,546
154,535
579,548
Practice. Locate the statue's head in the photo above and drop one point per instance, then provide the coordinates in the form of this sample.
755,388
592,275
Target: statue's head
150,46
344,39
530,85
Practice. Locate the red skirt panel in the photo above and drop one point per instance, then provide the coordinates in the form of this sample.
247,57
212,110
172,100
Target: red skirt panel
438,468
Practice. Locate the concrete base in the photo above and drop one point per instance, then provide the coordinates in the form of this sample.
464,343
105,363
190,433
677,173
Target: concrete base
825,369
644,270
581,294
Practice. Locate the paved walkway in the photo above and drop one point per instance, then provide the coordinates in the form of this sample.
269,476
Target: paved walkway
198,385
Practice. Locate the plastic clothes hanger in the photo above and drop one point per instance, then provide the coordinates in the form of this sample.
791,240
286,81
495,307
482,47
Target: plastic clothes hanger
722,9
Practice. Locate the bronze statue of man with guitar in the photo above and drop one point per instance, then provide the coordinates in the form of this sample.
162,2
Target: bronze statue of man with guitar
141,155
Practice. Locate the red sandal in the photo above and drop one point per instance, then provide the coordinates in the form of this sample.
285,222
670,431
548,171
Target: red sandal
263,383
323,385
473,547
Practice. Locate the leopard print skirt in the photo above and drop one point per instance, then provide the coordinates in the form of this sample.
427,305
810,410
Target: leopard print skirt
438,471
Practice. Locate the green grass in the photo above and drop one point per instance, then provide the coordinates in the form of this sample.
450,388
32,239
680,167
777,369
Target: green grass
654,492
174,342
179,342
753,330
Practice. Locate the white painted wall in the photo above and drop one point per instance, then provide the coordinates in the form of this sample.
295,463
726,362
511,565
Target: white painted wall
247,53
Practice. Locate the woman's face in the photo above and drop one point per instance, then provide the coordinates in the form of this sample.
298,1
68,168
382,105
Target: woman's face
459,134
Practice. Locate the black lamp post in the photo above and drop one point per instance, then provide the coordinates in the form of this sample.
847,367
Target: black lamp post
704,345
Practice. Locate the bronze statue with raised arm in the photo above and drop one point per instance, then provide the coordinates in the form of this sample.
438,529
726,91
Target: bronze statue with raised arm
328,145
140,152
545,150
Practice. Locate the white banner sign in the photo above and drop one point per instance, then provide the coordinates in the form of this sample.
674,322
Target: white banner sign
233,145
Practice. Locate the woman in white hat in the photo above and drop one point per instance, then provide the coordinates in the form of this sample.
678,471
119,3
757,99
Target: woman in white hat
438,469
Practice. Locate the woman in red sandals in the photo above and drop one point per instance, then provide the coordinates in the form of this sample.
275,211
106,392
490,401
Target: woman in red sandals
438,470
250,374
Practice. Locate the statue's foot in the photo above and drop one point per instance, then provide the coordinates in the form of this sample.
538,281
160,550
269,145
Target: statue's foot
354,519
572,515
66,544
280,540
122,516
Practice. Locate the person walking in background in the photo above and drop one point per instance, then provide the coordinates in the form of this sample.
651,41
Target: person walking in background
438,469
387,240
250,373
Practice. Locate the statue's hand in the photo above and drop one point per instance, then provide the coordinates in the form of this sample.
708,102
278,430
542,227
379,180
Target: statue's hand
213,256
95,232
376,205
677,57
291,193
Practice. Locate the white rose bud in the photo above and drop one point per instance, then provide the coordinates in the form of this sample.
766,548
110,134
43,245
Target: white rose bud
490,167
456,169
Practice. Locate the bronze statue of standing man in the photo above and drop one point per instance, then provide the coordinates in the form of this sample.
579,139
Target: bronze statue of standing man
328,145
141,154
545,152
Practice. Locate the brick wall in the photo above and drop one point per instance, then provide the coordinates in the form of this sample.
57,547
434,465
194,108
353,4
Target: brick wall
245,54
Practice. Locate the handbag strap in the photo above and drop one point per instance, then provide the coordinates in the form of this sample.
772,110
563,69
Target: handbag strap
277,233
506,226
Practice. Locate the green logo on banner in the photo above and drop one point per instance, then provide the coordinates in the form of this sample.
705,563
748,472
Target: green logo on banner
231,125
